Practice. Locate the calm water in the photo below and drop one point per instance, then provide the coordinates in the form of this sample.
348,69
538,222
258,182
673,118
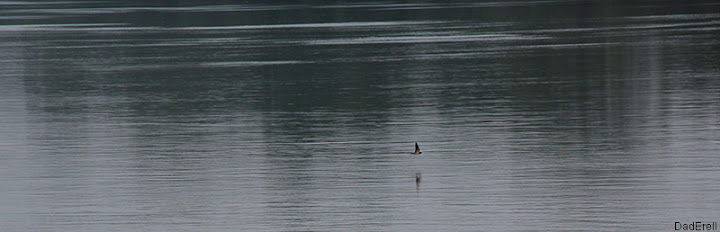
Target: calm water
538,115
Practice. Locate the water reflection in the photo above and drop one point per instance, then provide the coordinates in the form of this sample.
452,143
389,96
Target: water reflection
418,178
219,117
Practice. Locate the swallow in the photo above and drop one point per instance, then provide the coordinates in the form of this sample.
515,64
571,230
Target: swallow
417,150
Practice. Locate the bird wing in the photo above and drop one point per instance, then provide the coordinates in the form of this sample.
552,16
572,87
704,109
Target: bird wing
417,148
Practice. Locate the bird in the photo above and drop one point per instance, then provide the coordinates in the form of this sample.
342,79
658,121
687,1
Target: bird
417,150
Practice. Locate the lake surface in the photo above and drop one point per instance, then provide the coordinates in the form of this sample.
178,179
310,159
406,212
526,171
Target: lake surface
531,115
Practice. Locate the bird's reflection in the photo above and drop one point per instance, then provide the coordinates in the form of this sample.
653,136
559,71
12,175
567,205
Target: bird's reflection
418,178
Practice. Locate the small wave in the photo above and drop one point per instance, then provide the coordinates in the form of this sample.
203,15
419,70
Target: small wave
126,27
309,25
113,10
251,63
54,27
421,39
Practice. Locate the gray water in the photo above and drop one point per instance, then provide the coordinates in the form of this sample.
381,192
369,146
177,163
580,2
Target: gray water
531,115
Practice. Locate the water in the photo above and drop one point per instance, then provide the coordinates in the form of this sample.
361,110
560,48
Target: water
539,115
